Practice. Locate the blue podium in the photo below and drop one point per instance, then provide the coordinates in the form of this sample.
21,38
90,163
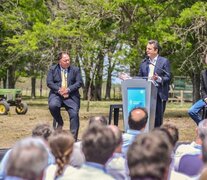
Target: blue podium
139,92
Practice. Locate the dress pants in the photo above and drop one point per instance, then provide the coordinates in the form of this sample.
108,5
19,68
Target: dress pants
55,105
160,109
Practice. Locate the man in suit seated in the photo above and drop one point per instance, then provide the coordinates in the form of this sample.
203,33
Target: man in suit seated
64,82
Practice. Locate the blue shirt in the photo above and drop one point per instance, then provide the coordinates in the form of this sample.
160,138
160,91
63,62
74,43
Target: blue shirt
128,139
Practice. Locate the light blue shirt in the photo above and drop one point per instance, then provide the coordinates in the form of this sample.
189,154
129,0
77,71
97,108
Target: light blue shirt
128,139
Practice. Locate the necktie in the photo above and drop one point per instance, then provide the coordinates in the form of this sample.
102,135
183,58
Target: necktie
151,70
64,78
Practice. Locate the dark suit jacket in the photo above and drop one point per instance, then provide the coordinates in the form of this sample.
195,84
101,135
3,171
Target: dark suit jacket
204,84
74,81
162,63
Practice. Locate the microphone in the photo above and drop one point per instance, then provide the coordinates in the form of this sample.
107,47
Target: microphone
146,58
167,73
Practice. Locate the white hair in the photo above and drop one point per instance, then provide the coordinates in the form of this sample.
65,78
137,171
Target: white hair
27,159
202,129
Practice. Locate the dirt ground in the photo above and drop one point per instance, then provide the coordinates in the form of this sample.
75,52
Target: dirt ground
14,127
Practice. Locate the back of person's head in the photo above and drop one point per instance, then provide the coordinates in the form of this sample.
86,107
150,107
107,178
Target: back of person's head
204,150
137,118
117,134
166,136
173,130
202,129
61,144
149,156
98,144
42,130
27,159
98,120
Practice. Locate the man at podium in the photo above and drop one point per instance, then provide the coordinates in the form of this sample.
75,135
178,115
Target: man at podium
157,70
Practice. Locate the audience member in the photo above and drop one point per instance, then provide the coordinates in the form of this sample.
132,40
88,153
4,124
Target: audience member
61,144
41,130
203,174
27,160
173,130
193,148
98,119
77,157
167,137
137,121
149,157
116,165
44,131
98,145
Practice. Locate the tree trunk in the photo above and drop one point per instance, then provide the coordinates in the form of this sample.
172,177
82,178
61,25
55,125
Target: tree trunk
109,81
108,86
4,83
98,77
86,86
11,77
196,87
33,85
41,77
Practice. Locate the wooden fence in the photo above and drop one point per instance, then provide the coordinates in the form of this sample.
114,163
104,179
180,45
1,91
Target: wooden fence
174,95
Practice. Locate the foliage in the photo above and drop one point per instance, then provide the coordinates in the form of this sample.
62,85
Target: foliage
101,35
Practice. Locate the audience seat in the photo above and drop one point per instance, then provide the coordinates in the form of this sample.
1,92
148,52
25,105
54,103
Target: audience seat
190,164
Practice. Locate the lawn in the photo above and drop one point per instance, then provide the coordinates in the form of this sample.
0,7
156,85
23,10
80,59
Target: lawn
13,127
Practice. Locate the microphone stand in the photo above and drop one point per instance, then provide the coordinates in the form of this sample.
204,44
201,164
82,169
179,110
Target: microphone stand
168,74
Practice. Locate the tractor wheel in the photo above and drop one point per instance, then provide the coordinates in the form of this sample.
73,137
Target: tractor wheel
4,108
21,108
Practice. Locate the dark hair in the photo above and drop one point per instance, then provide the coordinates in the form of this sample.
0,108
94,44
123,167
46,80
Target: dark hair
148,156
173,130
60,55
42,130
98,119
98,144
138,123
156,45
162,132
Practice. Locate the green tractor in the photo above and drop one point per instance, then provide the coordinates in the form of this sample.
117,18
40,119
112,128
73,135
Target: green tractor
12,97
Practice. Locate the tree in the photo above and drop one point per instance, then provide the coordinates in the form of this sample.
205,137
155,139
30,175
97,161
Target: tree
191,29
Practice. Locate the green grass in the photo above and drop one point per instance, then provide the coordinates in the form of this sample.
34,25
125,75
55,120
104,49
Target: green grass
172,109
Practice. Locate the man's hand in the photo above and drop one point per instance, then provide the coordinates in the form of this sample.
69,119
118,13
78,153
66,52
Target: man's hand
63,92
154,77
124,76
205,100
